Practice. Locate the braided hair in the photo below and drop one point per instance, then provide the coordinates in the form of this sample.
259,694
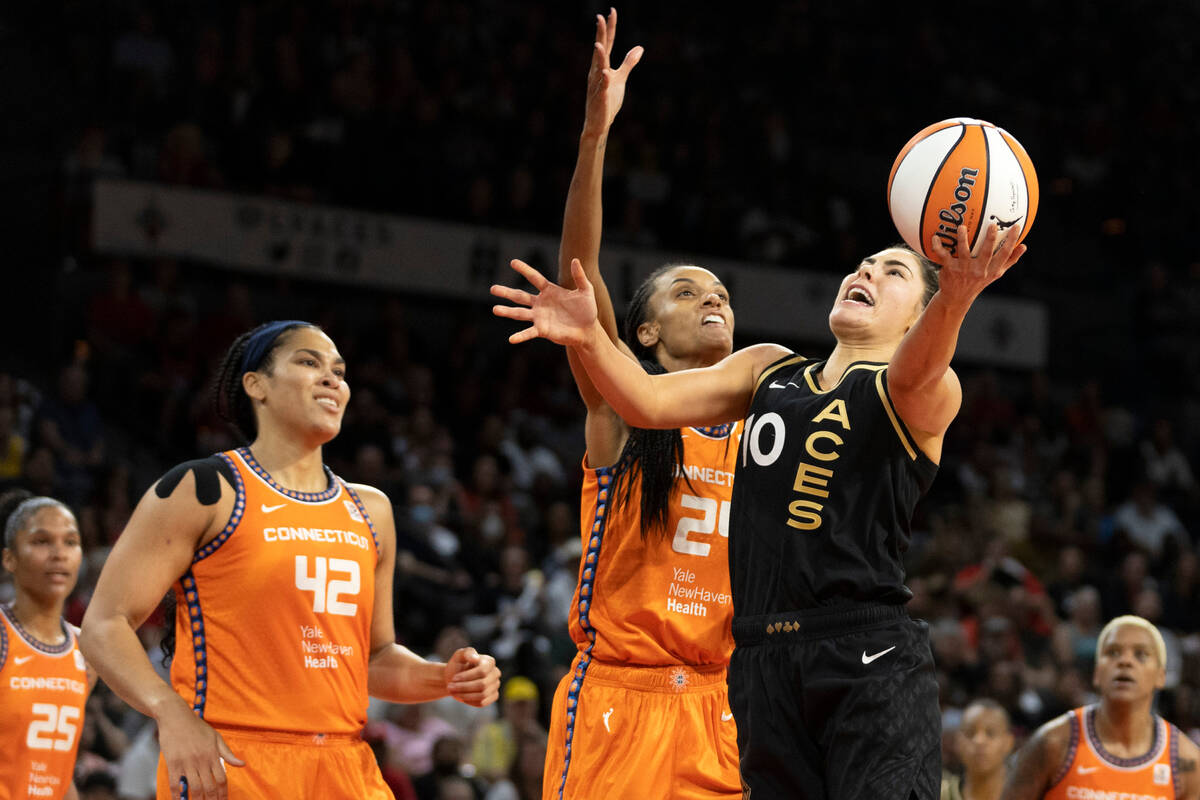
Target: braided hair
656,454
230,400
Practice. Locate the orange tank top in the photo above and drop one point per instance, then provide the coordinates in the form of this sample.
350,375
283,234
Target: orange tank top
43,689
662,600
1092,773
273,619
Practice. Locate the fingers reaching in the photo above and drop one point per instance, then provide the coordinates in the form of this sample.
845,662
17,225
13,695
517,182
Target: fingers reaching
631,60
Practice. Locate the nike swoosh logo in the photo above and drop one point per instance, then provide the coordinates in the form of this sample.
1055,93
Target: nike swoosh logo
726,717
777,385
867,659
266,509
1087,770
21,659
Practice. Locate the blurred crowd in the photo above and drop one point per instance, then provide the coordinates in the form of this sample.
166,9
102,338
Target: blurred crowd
1064,497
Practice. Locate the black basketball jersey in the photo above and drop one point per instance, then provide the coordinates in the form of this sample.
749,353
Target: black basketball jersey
824,492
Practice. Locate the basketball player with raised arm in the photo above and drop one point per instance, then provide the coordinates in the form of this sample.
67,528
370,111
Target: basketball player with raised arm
282,574
1118,748
831,683
44,682
644,711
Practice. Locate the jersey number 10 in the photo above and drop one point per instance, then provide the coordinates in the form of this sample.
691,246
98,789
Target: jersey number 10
327,593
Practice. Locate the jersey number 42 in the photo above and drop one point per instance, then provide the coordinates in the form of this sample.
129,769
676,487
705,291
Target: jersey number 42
327,592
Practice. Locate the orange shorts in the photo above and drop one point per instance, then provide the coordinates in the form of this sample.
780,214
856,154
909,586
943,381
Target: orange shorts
287,766
644,732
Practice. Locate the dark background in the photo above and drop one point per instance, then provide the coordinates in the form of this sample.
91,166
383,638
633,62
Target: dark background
758,132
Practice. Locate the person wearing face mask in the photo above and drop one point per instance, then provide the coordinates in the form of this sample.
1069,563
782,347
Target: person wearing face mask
44,681
283,576
831,683
1117,748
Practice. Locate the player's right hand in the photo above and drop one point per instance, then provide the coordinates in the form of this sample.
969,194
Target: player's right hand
606,86
195,753
564,316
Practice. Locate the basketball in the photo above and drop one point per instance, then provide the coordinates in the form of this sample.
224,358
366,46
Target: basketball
960,172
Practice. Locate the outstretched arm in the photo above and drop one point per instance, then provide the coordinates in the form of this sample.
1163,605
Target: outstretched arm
923,387
583,216
706,396
582,223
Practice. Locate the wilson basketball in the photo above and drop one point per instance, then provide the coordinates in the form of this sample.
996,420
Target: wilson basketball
960,172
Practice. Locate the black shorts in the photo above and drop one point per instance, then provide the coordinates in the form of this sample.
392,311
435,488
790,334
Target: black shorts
836,704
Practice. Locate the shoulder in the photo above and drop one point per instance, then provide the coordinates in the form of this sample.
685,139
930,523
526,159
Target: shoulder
207,474
1042,757
1052,741
1187,760
763,359
378,505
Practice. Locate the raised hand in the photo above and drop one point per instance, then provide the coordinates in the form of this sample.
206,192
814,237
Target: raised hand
606,86
564,316
964,276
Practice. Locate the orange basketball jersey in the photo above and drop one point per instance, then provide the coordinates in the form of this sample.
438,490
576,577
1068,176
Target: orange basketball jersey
43,690
664,599
273,619
1091,772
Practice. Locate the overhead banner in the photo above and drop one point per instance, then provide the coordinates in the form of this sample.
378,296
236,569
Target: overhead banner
413,255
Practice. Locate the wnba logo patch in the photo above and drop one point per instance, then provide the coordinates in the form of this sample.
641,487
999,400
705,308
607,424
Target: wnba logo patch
352,508
1162,774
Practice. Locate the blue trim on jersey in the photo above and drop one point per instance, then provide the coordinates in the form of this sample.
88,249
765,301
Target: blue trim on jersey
363,510
587,581
3,644
1064,769
715,431
34,642
304,497
239,510
191,597
1176,781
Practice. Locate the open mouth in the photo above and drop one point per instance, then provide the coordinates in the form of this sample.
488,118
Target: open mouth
861,296
329,403
713,319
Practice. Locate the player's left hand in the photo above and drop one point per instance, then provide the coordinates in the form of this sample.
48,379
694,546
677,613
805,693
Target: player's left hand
963,275
473,678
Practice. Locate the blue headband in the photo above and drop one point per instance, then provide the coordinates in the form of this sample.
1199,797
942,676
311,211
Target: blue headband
260,342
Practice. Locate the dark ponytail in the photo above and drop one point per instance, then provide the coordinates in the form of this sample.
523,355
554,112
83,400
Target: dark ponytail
656,454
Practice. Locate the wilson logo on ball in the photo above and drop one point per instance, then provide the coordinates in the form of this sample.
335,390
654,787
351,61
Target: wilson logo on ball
960,172
953,216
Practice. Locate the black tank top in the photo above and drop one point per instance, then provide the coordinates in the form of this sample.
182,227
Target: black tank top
824,492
